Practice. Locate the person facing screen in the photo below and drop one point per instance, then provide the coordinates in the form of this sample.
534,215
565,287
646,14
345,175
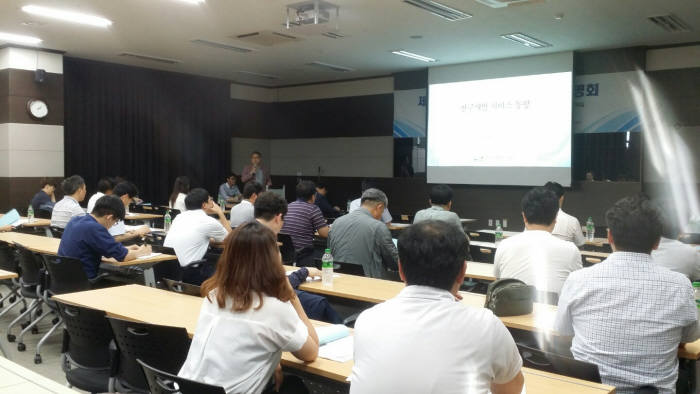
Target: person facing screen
567,227
180,189
440,207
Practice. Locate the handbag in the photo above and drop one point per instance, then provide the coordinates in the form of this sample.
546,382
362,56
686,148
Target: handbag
510,297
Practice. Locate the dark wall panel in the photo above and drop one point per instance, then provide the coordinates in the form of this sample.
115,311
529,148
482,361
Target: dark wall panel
17,87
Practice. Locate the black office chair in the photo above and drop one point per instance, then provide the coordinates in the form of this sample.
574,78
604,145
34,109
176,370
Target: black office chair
31,272
8,262
160,346
555,363
646,390
43,213
198,271
481,254
86,357
182,287
287,249
343,268
482,236
161,382
56,232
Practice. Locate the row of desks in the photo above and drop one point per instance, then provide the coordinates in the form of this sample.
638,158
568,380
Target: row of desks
155,306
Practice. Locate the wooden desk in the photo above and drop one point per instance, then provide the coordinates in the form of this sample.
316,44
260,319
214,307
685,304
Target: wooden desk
15,378
155,306
476,270
398,226
7,275
142,216
599,242
47,245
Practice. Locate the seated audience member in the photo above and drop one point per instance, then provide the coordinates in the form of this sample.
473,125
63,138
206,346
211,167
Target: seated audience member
127,192
303,219
249,316
356,203
69,207
269,211
672,253
439,345
244,211
535,256
255,171
104,187
626,314
567,227
229,190
193,229
45,198
322,203
440,206
360,237
86,237
180,189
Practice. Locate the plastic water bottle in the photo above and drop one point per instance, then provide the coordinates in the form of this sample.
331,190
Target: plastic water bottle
327,268
499,233
30,214
590,229
222,203
167,220
696,290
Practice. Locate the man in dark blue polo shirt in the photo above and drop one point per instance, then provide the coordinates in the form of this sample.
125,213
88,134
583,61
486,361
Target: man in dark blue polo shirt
86,237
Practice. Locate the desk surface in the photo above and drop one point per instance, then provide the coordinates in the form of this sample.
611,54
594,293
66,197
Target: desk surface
36,223
142,216
150,305
7,274
596,241
478,270
39,244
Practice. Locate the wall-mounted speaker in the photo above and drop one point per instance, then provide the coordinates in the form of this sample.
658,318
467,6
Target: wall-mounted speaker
39,75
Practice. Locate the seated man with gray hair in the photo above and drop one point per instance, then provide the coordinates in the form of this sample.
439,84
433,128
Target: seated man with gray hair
361,238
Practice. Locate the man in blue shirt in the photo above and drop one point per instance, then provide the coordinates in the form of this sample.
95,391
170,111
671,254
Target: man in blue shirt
229,190
44,199
86,237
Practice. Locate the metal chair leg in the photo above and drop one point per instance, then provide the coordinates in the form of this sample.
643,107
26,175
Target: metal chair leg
37,355
9,307
34,304
32,324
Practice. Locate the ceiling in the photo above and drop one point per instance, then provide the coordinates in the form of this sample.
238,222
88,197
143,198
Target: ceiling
373,28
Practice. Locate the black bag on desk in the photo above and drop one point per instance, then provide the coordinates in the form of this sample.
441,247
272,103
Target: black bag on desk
509,297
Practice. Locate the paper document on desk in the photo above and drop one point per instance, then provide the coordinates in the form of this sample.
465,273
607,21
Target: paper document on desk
340,350
149,256
10,218
20,222
133,228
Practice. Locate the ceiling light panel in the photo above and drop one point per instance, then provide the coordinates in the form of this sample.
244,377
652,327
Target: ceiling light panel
332,67
526,40
221,45
259,75
150,58
195,2
19,39
67,16
414,56
439,9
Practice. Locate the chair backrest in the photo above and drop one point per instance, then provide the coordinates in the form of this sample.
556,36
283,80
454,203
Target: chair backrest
555,363
481,254
161,346
8,258
287,249
57,232
30,266
482,236
43,213
182,287
66,274
343,268
160,382
167,269
89,336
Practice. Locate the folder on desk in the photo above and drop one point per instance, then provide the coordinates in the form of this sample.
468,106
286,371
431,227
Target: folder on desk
9,218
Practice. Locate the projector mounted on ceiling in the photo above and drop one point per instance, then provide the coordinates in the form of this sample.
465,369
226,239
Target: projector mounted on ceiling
500,3
310,12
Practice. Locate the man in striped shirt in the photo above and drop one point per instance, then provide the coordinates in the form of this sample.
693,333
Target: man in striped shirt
302,220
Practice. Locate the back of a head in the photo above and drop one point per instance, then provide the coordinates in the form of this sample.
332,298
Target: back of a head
250,265
556,188
440,195
104,185
268,205
125,188
250,188
195,198
181,185
305,190
46,182
635,224
432,253
72,184
540,206
109,205
320,185
374,197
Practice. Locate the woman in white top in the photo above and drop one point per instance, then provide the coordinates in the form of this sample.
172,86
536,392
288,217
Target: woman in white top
249,317
180,190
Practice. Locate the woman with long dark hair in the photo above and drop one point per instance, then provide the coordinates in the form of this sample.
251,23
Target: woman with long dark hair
180,190
249,316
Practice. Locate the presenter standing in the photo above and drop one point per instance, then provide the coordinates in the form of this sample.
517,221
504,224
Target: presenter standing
255,171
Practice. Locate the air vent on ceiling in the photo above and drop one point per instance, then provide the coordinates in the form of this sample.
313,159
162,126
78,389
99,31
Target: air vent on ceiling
266,38
332,34
221,45
439,9
332,67
501,3
670,23
150,58
258,75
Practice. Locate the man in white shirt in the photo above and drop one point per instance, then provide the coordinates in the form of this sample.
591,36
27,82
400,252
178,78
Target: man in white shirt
535,256
193,229
69,207
357,203
674,254
567,227
244,212
424,340
626,314
104,187
126,191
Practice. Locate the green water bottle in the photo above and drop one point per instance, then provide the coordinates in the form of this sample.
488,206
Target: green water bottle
327,268
30,214
167,220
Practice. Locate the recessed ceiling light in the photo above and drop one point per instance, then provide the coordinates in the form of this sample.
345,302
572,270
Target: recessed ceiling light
414,56
19,39
193,1
67,16
526,40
